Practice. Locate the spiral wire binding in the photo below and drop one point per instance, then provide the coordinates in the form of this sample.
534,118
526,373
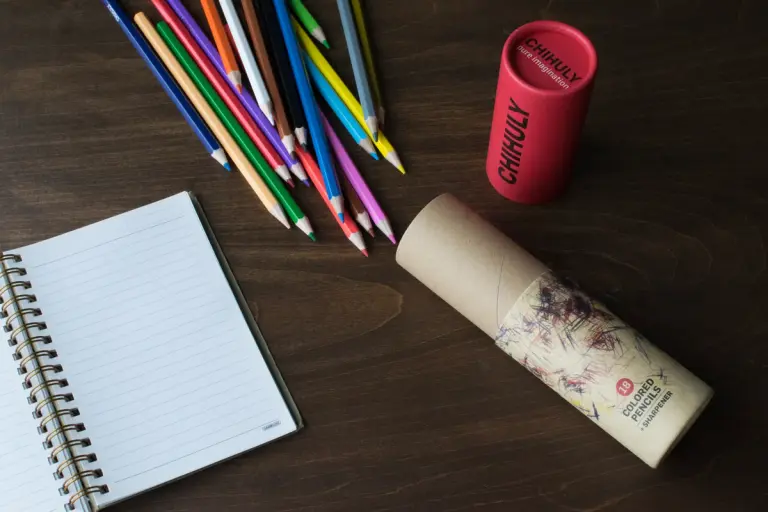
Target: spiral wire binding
51,425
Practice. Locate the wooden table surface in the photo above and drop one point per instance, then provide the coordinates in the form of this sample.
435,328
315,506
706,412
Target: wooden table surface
408,406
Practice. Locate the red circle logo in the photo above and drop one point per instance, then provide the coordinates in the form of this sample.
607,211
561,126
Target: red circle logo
625,387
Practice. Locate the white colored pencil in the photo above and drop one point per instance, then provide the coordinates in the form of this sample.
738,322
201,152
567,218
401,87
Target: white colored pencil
248,59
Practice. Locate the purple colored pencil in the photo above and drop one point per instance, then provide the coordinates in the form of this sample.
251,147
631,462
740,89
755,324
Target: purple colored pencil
358,183
245,97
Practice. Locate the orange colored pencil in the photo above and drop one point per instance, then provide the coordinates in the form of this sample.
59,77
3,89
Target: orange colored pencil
222,43
348,226
262,56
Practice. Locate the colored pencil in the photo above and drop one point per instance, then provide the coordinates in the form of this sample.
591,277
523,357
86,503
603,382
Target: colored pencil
237,57
316,132
281,64
191,116
356,205
229,94
309,21
354,128
248,60
240,160
348,226
365,42
358,67
260,48
222,43
245,98
235,129
356,179
383,145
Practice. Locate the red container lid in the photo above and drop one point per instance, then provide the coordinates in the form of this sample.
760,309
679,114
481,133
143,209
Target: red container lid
555,57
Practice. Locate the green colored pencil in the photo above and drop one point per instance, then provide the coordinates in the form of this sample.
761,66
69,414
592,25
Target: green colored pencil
309,21
236,130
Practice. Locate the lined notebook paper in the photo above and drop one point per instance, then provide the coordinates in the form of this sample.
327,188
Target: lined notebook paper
161,361
25,476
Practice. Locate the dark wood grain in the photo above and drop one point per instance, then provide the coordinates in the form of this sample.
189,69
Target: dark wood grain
408,407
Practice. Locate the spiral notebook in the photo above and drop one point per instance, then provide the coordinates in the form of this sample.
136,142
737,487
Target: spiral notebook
131,361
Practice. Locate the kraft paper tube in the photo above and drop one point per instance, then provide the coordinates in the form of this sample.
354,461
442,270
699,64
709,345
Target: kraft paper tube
611,373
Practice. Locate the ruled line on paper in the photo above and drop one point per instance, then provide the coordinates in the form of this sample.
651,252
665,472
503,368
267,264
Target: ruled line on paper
200,449
90,277
178,405
151,254
49,262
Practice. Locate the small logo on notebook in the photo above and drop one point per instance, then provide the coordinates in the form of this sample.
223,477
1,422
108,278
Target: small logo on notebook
268,426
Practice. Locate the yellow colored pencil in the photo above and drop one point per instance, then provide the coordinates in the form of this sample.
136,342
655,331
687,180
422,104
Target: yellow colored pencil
383,144
365,43
229,144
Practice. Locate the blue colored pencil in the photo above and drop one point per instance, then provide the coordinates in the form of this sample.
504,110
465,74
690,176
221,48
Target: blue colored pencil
316,131
354,128
358,67
161,74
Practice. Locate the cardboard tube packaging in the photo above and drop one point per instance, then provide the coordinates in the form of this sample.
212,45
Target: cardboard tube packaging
611,373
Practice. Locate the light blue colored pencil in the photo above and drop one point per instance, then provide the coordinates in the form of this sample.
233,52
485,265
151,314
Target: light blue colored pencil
358,67
354,128
316,131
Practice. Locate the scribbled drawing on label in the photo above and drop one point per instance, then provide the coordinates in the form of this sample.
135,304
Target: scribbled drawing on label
581,350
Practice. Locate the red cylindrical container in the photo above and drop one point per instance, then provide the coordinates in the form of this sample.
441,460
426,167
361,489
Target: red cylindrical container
545,82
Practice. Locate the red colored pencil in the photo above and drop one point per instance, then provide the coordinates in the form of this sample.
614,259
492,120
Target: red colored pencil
219,83
349,227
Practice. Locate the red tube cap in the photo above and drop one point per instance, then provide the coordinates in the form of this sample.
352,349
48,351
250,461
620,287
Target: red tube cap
545,83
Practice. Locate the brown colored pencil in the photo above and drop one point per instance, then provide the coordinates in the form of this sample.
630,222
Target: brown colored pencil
262,55
356,204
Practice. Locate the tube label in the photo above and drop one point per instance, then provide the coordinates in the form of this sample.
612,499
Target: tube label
603,367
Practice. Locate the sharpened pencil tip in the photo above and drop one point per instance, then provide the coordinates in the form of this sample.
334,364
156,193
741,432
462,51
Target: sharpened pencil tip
306,183
394,159
220,156
318,34
373,127
237,80
312,237
365,252
338,206
301,136
304,225
375,156
367,145
392,239
357,240
282,171
289,143
279,214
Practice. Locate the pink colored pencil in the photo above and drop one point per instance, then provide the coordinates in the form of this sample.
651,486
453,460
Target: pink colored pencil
358,183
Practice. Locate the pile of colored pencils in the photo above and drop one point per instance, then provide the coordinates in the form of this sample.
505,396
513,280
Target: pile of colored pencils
248,94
